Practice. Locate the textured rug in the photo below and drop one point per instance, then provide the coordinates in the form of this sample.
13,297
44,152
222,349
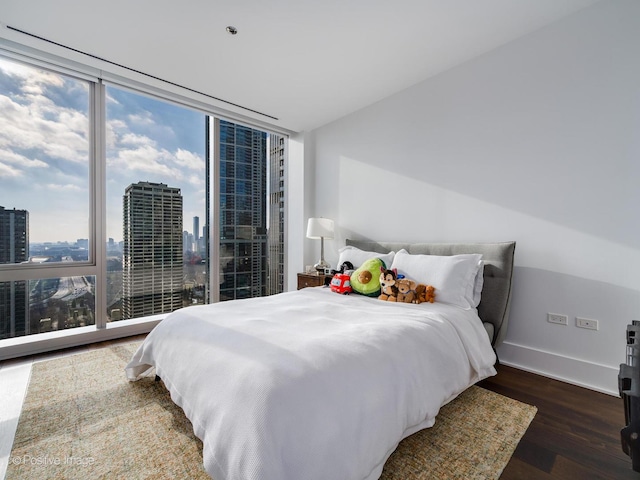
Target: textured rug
82,419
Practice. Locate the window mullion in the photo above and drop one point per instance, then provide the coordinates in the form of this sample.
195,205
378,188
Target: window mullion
213,164
64,269
99,199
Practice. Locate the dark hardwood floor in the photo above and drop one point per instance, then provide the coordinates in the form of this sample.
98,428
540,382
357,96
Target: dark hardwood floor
574,435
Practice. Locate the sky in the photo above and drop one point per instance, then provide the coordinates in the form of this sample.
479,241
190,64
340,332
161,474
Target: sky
44,151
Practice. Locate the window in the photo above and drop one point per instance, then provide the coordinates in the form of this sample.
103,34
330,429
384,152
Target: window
88,238
44,165
45,199
155,164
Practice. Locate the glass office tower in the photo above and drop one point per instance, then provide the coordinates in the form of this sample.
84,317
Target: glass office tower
14,248
276,213
243,212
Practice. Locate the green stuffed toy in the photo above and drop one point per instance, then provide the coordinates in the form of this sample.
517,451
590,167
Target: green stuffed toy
366,279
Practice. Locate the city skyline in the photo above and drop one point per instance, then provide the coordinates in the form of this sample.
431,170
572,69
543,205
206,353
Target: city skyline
45,176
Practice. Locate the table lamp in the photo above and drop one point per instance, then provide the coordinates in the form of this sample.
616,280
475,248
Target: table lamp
320,228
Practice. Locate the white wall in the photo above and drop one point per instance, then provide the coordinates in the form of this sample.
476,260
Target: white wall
538,142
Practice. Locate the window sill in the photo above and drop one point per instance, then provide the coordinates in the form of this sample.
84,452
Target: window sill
73,337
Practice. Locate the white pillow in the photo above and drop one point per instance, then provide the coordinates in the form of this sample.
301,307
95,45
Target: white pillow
357,257
478,284
455,277
474,292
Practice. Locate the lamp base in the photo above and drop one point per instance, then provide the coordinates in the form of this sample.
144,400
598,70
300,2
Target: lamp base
321,266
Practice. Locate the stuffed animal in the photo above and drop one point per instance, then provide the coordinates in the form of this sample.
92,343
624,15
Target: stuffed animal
346,267
406,290
388,288
425,293
365,279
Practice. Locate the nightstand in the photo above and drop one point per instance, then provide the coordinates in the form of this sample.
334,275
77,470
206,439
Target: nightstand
312,280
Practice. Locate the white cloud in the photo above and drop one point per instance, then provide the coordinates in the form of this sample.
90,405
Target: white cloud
113,127
188,159
111,100
196,180
117,125
145,122
40,125
144,119
145,158
9,156
8,171
34,80
137,140
159,162
68,187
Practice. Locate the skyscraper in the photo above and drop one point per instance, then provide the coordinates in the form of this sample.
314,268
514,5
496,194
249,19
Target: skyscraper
276,213
243,212
196,234
185,242
152,255
14,248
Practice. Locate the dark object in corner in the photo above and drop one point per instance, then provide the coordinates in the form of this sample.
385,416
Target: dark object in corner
629,388
344,268
157,379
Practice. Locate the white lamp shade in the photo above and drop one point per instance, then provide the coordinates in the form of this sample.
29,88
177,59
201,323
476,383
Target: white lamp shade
320,228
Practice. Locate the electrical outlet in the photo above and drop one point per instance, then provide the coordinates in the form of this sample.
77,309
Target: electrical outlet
587,323
557,318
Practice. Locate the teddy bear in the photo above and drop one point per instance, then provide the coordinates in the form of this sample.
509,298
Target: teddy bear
425,293
388,288
406,290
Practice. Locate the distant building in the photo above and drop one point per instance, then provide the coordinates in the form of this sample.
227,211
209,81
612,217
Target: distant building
112,246
196,234
185,242
14,248
152,252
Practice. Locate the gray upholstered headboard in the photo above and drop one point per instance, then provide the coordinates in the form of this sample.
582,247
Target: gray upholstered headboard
498,271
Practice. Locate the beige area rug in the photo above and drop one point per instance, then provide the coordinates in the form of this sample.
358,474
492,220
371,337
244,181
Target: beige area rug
83,420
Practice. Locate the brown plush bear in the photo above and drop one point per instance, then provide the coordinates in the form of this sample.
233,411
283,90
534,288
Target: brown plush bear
425,293
388,288
406,290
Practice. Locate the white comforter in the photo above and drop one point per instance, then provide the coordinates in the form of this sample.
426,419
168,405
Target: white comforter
312,385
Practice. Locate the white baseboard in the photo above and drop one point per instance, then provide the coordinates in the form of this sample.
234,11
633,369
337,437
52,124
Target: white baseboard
601,378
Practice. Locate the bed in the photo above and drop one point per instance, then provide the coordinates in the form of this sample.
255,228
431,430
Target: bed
312,385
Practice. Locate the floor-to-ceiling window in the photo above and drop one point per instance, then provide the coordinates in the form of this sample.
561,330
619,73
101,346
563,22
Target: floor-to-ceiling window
105,204
45,198
155,198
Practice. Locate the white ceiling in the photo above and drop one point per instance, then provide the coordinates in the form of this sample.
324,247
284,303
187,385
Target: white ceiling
305,62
